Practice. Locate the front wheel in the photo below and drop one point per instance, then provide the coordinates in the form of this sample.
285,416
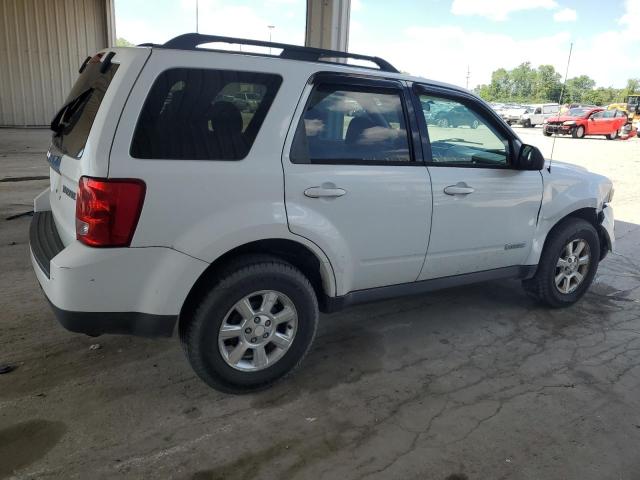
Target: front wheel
475,124
578,132
568,264
546,133
253,327
442,122
613,135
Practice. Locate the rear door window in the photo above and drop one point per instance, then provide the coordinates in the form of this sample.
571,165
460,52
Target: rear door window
345,124
200,114
73,122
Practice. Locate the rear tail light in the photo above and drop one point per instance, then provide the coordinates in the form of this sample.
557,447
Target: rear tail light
107,211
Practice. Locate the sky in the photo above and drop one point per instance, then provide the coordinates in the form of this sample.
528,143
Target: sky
436,39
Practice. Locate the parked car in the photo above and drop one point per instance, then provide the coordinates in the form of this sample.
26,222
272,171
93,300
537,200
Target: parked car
455,117
170,210
538,113
513,114
579,122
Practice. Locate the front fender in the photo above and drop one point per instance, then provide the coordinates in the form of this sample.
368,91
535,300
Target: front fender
567,189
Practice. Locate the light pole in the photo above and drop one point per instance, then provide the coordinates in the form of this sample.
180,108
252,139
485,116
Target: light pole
270,27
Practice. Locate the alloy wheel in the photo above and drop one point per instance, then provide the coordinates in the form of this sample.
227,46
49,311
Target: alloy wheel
258,330
572,266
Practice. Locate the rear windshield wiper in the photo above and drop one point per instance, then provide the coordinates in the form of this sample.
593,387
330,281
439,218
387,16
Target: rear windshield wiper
61,119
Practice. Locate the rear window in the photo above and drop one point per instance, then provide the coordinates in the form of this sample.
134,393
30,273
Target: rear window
198,114
74,120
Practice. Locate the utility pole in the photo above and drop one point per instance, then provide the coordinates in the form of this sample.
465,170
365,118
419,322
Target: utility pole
468,76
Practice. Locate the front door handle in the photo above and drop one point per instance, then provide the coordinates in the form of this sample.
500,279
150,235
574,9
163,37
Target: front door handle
317,192
459,188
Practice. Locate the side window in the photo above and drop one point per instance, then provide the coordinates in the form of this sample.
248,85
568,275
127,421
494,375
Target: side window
198,114
460,137
351,125
609,113
598,115
538,110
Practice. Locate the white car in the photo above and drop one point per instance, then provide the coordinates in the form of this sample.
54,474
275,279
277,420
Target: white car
537,114
169,209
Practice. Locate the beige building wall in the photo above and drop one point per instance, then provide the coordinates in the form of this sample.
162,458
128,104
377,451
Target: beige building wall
42,44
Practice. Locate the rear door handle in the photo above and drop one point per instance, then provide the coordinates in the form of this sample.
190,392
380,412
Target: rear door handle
317,192
459,188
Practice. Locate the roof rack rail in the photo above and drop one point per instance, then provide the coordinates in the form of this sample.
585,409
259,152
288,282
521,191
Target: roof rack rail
190,41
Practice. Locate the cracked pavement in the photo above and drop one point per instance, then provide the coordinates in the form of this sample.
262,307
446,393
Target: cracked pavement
476,382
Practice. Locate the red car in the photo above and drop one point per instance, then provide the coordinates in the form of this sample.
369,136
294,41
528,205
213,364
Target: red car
579,122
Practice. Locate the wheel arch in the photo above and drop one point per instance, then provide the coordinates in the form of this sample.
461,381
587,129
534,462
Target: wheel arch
318,271
589,214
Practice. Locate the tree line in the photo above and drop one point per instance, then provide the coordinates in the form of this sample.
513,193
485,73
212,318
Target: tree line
525,84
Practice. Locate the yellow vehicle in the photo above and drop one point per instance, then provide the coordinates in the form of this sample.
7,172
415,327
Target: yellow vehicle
618,106
633,110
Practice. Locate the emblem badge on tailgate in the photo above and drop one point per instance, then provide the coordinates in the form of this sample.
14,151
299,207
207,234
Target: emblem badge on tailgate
68,192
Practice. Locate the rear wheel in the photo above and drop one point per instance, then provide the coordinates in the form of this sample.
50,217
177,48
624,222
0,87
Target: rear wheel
253,327
578,132
442,122
568,264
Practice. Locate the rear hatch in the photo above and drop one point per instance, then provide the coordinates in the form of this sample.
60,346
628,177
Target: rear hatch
84,126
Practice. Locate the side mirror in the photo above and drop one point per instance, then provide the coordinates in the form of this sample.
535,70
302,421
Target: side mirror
530,158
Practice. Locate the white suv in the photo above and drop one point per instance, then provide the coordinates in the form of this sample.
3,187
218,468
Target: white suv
171,208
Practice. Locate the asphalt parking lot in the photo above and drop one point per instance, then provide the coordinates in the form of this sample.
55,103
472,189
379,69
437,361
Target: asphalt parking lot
475,382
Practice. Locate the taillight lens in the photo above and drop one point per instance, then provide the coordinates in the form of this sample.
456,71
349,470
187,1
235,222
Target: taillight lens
107,211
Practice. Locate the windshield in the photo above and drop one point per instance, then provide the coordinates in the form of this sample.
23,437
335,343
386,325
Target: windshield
73,122
577,112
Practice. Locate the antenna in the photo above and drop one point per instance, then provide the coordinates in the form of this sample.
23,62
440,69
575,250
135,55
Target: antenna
468,75
564,84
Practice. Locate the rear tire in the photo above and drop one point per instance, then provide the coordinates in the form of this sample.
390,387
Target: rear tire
563,277
261,310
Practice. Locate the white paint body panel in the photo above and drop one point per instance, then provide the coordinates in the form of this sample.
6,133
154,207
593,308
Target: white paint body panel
489,228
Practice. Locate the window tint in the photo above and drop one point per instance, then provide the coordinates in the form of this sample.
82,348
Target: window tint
198,114
597,115
459,136
74,120
345,124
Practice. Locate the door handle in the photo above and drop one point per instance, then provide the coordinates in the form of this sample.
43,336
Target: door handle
317,192
459,188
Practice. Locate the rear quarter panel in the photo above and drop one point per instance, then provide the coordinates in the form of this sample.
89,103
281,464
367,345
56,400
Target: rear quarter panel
205,208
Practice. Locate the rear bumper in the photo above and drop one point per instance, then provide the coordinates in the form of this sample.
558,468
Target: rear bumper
125,323
137,291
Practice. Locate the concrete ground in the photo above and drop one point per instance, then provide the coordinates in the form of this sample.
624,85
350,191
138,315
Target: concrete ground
469,383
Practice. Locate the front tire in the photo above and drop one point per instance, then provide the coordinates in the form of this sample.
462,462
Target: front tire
578,132
567,266
253,327
613,135
546,132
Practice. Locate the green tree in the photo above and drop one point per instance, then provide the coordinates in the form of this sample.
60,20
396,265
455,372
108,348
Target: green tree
548,84
576,89
123,42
